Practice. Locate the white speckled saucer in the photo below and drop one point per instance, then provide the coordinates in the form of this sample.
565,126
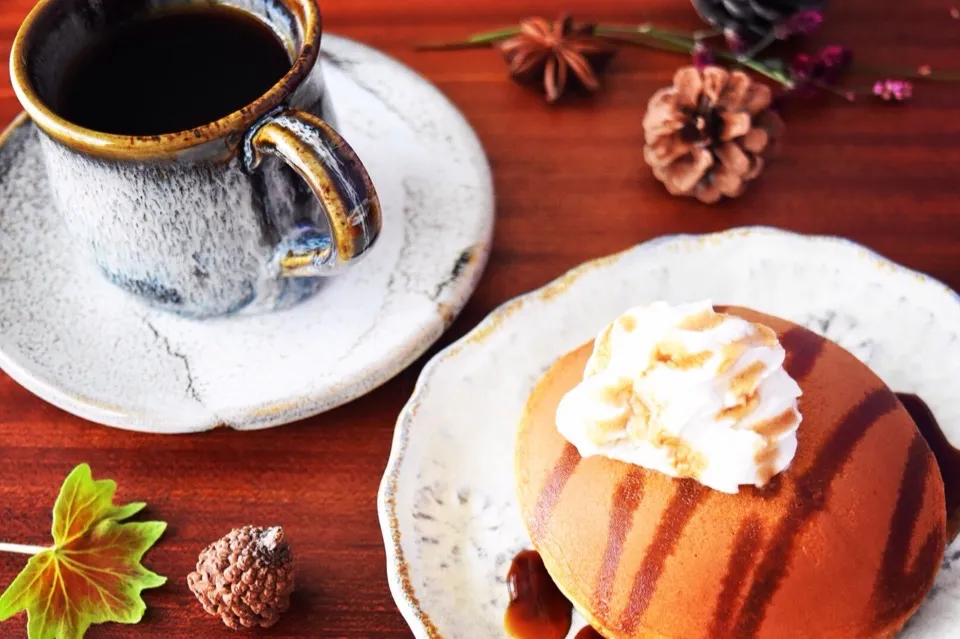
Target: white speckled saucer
75,340
450,519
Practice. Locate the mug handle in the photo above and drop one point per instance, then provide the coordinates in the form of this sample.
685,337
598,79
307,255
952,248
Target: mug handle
339,181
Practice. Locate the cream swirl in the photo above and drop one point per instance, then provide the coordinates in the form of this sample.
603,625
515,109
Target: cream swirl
688,392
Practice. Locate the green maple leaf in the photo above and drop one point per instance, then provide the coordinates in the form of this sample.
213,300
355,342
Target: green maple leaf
92,574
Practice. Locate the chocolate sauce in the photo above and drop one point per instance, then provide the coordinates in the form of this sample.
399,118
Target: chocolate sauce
537,610
948,457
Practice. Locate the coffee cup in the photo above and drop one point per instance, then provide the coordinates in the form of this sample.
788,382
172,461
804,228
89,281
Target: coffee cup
246,208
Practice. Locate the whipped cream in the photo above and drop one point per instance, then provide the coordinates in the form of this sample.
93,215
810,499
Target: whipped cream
687,392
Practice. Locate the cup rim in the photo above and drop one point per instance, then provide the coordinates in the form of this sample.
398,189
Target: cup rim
165,145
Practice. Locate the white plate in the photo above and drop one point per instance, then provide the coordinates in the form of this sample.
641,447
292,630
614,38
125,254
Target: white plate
450,519
78,342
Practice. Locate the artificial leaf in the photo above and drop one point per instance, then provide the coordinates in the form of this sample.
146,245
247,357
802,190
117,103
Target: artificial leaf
92,574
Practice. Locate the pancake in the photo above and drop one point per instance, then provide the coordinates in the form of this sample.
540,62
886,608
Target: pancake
844,543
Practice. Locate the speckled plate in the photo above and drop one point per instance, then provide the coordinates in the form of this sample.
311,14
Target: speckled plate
78,342
450,519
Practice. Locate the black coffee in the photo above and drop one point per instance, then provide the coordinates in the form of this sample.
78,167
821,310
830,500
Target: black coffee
172,72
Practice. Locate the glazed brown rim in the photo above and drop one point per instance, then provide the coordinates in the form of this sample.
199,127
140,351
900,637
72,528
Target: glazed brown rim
128,147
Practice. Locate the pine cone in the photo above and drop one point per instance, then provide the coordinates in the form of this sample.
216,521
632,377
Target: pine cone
246,577
706,135
752,19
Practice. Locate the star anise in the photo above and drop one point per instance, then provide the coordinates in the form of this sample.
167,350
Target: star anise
562,55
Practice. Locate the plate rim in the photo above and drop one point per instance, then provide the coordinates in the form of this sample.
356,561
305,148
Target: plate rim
401,587
283,410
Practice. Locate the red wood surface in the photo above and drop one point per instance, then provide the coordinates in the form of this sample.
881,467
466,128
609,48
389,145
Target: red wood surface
571,185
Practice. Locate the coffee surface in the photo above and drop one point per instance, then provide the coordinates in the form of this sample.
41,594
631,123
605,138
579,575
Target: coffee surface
172,72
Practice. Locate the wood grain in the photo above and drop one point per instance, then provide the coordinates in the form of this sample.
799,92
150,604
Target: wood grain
571,185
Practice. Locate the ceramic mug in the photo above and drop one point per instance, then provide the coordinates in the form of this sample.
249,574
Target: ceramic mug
246,213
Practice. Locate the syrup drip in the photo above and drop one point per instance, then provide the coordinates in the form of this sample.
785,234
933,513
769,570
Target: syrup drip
948,457
537,610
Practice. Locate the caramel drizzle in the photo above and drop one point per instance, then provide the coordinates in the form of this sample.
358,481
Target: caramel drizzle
685,501
639,429
674,355
553,488
620,393
738,412
776,426
812,494
746,548
600,359
730,353
766,458
702,321
746,381
899,586
771,430
626,500
686,461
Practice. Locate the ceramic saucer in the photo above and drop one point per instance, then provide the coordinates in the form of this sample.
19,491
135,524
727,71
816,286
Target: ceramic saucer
450,519
73,339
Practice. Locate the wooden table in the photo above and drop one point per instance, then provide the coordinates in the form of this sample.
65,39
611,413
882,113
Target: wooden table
571,185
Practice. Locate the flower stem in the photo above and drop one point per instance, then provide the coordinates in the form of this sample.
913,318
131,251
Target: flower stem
847,96
683,42
753,51
759,67
487,38
705,34
647,43
22,549
663,35
646,35
912,74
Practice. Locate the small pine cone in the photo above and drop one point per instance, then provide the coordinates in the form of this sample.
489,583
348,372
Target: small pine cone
752,20
707,135
246,577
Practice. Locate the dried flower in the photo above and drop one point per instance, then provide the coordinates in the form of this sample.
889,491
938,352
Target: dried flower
893,90
924,70
955,13
558,54
823,68
702,56
800,23
836,57
735,42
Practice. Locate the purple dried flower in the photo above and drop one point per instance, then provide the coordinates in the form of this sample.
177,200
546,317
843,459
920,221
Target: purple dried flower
893,90
735,43
702,56
835,60
803,67
835,55
800,23
825,67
